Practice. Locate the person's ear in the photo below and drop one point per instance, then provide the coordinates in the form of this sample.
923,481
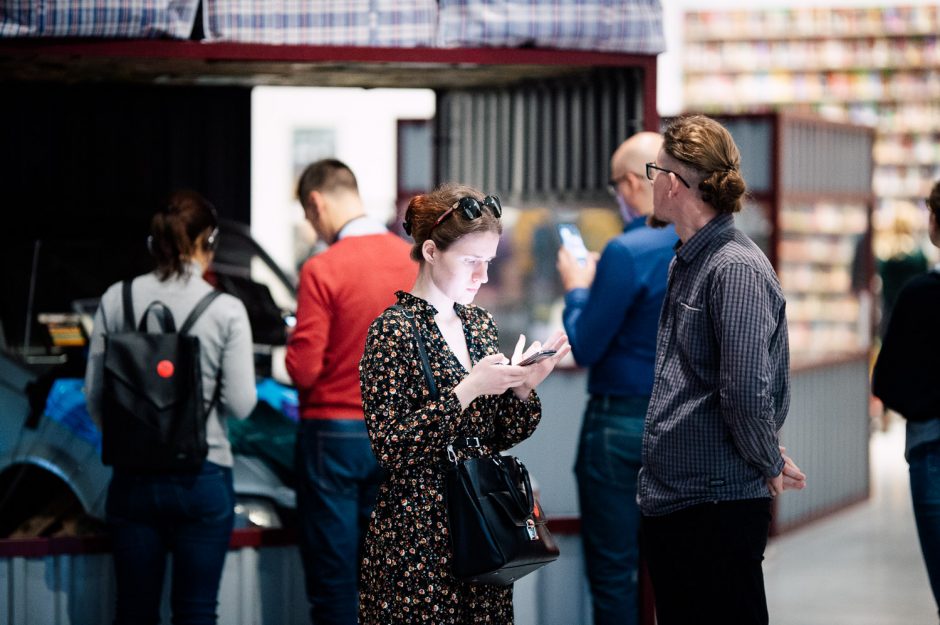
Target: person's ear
674,184
429,251
635,183
315,203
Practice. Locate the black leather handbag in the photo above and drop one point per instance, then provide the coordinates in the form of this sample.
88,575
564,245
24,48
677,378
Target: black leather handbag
497,528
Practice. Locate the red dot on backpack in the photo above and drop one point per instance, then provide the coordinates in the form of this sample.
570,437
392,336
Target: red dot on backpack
165,368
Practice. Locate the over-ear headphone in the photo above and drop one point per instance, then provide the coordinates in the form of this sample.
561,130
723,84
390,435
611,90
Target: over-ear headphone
212,241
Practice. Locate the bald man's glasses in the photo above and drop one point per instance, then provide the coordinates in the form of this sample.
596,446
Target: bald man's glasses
614,183
471,208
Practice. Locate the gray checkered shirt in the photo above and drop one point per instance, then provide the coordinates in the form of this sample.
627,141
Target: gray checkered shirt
722,385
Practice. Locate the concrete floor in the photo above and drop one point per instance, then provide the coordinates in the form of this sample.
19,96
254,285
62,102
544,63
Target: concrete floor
861,566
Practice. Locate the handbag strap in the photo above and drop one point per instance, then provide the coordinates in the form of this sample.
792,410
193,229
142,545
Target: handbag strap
422,352
461,442
530,496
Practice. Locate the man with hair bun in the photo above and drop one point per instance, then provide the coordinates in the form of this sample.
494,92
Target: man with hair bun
711,456
341,291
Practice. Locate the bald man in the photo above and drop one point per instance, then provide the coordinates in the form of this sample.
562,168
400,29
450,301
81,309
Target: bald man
611,314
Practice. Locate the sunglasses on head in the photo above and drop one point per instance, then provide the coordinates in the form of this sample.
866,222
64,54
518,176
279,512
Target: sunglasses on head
471,208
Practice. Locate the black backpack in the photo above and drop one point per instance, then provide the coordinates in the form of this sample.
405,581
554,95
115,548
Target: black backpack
153,411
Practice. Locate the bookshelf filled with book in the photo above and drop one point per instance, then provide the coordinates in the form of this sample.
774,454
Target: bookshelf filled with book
878,67
809,210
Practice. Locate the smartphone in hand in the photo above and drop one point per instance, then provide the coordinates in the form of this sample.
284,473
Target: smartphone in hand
537,357
571,239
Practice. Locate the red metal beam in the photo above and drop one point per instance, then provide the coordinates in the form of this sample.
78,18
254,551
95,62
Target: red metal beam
247,52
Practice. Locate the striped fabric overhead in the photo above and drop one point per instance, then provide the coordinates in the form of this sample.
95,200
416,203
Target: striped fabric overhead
625,26
97,18
380,23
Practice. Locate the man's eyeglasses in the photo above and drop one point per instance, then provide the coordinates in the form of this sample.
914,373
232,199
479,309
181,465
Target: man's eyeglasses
613,183
652,168
471,208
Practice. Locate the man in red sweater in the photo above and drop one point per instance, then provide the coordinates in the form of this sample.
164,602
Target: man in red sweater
342,290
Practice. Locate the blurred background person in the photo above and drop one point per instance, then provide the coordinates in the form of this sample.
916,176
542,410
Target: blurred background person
907,379
341,291
611,313
899,257
189,514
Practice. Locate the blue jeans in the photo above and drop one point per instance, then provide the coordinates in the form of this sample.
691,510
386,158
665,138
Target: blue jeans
187,514
924,463
337,483
607,467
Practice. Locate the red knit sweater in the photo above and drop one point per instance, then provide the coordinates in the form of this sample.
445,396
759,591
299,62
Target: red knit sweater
342,290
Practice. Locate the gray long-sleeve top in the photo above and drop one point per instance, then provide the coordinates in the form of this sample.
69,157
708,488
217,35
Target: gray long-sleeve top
225,339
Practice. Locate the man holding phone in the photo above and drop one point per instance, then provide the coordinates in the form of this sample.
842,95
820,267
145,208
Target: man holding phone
611,312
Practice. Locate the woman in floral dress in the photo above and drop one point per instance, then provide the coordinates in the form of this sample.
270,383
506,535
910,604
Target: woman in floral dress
406,569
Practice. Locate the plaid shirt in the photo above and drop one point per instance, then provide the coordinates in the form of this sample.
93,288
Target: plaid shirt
722,384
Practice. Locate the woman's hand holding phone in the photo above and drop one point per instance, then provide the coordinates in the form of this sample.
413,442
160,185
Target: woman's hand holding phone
538,356
541,365
489,376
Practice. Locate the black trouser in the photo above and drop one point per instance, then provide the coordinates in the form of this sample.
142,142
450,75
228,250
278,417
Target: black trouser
705,563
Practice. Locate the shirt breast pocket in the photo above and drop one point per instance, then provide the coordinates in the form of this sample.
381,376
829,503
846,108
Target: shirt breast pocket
692,338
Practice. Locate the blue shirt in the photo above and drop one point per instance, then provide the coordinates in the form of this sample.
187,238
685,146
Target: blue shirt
722,387
612,326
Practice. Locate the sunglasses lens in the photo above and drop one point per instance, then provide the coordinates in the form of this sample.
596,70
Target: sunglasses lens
470,208
493,202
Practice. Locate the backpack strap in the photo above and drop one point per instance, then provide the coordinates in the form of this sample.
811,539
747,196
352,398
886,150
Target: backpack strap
216,395
422,352
128,305
200,308
164,316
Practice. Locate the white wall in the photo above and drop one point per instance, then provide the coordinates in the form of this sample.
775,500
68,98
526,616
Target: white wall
365,125
669,74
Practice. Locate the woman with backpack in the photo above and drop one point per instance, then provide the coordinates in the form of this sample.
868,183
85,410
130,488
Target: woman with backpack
162,397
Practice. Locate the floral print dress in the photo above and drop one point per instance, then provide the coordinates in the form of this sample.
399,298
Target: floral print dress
406,572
